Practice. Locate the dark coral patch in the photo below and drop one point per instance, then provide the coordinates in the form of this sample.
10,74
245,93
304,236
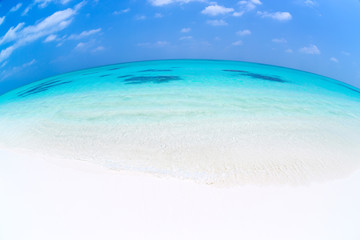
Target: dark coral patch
41,87
255,75
113,69
264,77
105,75
90,73
237,71
124,76
156,70
151,79
348,87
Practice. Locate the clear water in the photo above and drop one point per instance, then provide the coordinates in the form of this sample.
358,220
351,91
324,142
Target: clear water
212,121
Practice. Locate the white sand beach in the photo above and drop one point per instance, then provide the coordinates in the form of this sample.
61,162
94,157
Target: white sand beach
43,199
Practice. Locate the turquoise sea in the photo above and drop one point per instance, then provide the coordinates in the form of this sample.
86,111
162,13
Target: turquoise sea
211,121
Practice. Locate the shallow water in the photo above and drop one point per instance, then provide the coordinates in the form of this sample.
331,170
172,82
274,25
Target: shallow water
211,121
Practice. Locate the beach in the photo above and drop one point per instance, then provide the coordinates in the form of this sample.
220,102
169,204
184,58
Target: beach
63,199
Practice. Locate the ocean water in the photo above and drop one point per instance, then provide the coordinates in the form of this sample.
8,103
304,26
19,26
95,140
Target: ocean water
217,122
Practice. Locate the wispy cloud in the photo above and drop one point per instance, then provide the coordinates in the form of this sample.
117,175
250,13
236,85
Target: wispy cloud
310,3
21,36
16,7
185,30
140,17
243,32
159,3
158,15
65,1
279,40
2,19
6,73
4,64
238,14
250,4
333,59
215,10
29,63
43,4
50,38
80,45
186,38
160,43
98,49
280,16
84,34
122,11
217,23
311,49
237,43
91,46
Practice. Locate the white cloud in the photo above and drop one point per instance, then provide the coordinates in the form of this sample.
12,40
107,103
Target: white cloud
16,7
98,49
185,30
88,46
345,53
310,3
238,14
80,45
21,36
11,34
311,49
27,9
43,4
16,69
244,32
161,43
280,16
333,59
84,34
159,3
122,11
50,38
29,63
4,64
217,23
65,1
279,40
140,17
215,10
156,44
237,43
186,38
158,15
250,4
2,19
144,44
5,53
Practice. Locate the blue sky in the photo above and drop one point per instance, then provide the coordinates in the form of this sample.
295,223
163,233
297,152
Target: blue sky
41,38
